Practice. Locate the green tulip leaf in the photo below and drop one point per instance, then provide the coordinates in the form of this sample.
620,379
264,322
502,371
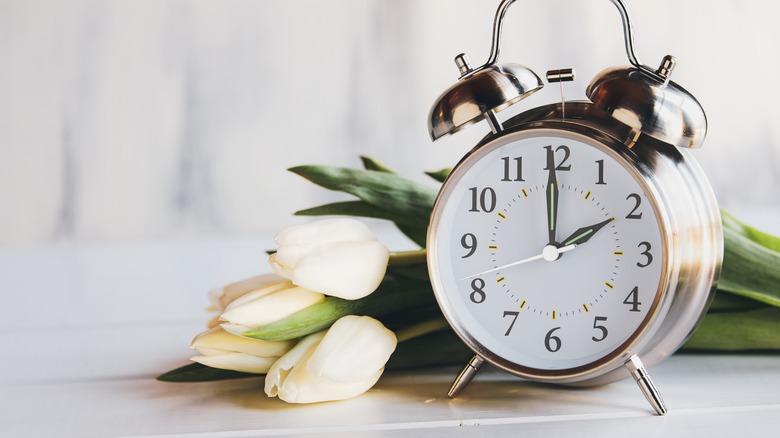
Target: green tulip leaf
440,175
196,372
753,330
384,190
372,164
749,269
439,348
417,234
358,209
383,195
728,302
393,294
414,228
764,239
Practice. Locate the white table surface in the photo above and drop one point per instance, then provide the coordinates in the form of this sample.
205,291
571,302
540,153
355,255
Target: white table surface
85,328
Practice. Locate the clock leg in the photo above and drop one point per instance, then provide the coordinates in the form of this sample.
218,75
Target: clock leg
465,376
639,373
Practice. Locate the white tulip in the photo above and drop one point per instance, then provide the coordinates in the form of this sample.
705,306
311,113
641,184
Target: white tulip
222,296
338,257
335,364
223,350
266,305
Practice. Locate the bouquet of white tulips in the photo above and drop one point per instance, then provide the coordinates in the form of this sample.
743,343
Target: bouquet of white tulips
341,308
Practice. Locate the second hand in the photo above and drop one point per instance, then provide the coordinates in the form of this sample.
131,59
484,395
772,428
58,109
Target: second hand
549,253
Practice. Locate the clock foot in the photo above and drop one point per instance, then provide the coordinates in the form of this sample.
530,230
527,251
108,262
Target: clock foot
465,376
639,373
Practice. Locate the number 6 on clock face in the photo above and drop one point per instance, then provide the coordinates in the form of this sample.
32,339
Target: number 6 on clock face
547,251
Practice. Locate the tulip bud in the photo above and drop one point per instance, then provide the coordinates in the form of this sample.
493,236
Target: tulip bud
266,305
338,257
230,352
335,364
222,296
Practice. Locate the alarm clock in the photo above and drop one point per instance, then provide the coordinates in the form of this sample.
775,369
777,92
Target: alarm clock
579,242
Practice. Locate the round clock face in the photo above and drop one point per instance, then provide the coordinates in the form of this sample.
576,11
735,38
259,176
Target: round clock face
546,253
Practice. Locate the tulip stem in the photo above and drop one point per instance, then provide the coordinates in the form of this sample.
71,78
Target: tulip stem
400,258
396,293
420,329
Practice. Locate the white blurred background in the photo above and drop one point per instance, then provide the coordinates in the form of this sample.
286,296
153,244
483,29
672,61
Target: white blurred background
124,120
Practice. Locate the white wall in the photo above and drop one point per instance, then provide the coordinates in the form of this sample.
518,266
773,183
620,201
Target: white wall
140,119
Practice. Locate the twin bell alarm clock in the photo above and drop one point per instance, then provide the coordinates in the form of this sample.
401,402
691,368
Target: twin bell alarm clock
578,243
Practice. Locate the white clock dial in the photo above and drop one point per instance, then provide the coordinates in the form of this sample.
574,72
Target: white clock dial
548,251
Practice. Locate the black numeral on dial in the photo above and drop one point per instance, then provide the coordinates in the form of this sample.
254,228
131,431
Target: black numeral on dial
646,253
551,342
468,242
566,153
517,175
602,330
477,295
484,200
600,181
632,299
513,314
637,202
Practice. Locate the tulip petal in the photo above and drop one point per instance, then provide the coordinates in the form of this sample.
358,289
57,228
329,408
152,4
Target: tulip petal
207,351
297,242
349,270
303,387
237,362
268,308
259,293
279,371
325,231
218,339
279,268
340,363
353,349
234,329
222,296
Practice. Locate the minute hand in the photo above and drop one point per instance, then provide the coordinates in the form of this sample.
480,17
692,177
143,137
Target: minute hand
551,198
584,234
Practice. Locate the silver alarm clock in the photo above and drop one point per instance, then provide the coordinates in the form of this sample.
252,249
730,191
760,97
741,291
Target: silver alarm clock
578,243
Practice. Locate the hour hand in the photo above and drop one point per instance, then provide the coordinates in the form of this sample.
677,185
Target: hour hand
584,234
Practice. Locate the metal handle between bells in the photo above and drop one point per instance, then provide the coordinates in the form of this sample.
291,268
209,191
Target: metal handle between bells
628,36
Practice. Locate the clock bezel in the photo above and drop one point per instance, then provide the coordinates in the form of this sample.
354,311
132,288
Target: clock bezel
619,153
